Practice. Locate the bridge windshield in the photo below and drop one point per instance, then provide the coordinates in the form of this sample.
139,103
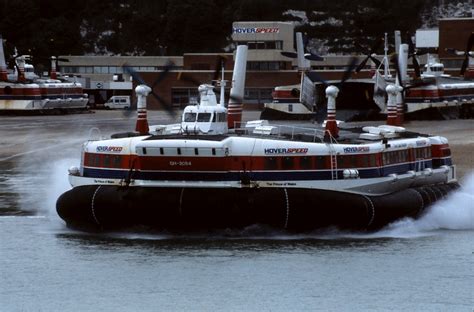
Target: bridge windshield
204,117
190,117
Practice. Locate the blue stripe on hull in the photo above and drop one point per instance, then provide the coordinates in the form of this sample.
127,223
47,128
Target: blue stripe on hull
253,175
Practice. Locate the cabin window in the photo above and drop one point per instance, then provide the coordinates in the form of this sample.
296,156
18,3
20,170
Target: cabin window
96,160
423,153
446,152
204,117
271,163
404,156
8,90
178,151
341,160
305,162
144,150
427,152
385,158
320,162
392,157
117,161
190,117
288,163
362,161
107,161
162,151
213,151
196,151
372,160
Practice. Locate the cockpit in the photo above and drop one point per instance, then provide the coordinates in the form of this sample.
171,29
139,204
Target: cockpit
204,117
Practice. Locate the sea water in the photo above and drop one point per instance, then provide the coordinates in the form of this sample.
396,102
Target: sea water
410,265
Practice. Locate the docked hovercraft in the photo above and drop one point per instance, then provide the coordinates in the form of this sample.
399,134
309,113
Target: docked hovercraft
211,171
22,91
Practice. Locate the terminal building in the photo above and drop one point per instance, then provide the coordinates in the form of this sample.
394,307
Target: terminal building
104,76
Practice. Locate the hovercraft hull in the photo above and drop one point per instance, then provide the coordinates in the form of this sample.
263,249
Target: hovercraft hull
105,207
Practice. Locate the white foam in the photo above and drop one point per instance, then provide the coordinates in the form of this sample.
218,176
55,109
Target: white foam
456,212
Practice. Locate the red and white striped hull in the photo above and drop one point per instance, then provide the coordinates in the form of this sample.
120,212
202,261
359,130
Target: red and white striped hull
41,96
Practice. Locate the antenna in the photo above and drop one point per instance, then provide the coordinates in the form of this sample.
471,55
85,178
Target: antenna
223,84
386,67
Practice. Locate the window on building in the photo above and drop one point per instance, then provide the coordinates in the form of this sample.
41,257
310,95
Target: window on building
183,96
271,45
263,45
270,65
70,69
258,95
200,66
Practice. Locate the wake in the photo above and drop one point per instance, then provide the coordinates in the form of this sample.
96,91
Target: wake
456,212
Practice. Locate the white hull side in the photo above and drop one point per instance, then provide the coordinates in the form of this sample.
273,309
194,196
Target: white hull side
289,108
68,103
371,186
31,105
414,107
20,105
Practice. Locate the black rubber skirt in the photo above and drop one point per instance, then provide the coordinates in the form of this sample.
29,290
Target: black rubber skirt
103,207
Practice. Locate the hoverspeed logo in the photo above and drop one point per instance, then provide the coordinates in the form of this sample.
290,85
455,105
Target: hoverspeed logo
256,30
111,149
357,149
285,150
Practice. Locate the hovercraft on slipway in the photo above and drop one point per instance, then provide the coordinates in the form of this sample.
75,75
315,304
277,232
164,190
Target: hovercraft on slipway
22,91
211,171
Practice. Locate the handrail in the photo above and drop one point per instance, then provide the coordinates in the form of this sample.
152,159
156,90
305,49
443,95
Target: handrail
287,130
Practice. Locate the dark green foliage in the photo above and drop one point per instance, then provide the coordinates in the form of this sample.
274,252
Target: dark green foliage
156,27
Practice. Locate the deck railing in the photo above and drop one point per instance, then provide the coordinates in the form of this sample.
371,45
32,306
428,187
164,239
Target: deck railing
290,132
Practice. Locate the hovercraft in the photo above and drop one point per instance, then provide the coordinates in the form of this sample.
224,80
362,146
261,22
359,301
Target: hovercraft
211,171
